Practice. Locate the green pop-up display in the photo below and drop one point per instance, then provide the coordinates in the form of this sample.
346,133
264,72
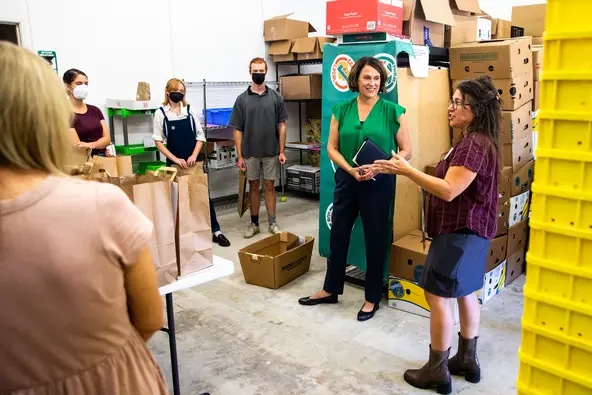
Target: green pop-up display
337,63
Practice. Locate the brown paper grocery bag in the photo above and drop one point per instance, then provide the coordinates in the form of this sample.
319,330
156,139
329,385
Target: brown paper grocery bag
77,156
124,165
107,163
244,203
193,229
152,195
116,166
143,91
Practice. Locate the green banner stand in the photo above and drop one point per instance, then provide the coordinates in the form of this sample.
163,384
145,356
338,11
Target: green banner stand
337,63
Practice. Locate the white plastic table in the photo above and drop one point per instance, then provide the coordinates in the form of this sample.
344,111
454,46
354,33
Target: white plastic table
221,268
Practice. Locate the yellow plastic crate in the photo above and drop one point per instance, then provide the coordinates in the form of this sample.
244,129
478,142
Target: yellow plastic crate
567,97
572,16
556,350
566,53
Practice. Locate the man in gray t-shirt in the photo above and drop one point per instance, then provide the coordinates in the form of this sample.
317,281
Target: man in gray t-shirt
259,121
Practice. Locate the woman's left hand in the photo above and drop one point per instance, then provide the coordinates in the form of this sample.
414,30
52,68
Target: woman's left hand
191,160
396,165
84,145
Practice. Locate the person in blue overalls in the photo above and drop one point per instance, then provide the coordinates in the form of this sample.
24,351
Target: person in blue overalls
174,123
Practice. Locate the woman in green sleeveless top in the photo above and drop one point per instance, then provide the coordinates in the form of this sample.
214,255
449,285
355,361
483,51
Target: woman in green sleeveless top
357,189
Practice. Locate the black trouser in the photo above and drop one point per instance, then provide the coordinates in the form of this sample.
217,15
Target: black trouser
213,219
372,200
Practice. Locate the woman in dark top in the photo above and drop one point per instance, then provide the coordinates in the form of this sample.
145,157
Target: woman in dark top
462,221
89,129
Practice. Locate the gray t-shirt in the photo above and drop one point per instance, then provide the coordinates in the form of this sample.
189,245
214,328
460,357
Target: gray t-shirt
258,116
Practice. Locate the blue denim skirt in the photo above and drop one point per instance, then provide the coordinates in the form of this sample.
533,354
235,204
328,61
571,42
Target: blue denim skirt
455,265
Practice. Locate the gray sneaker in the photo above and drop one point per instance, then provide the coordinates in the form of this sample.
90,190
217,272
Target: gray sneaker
251,231
274,229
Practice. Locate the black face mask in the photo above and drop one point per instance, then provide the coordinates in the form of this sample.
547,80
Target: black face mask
176,97
258,78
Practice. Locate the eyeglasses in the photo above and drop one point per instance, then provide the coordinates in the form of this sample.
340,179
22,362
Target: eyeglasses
456,104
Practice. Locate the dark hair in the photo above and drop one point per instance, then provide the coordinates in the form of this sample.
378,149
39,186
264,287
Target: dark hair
354,74
481,95
70,75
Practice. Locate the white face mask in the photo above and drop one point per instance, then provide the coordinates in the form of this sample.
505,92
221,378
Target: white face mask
80,92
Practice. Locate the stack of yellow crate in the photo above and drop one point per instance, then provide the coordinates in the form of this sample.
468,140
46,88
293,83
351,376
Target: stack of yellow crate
556,350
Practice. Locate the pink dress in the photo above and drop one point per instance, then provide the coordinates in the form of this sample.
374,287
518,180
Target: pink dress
64,323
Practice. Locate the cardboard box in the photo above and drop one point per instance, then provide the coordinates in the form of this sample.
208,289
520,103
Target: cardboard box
408,296
515,266
367,37
503,219
496,58
497,252
303,178
467,29
465,7
408,256
504,187
281,51
515,92
354,16
537,41
531,18
517,237
301,86
310,48
536,100
431,15
519,206
518,153
501,29
516,124
537,61
494,282
522,179
276,260
283,28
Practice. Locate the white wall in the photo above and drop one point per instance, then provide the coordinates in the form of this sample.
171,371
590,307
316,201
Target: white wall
503,8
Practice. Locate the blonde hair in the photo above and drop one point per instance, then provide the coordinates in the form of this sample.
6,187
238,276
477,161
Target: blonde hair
170,85
35,117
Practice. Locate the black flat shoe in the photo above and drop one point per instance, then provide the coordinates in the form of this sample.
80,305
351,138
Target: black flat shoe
221,240
366,315
307,301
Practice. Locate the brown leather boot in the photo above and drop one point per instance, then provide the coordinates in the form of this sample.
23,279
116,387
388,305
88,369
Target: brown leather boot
433,374
465,361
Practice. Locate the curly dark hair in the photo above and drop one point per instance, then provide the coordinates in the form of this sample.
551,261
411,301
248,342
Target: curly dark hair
354,74
480,94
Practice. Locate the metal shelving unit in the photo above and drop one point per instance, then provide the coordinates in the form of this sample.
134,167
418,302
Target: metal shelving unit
298,64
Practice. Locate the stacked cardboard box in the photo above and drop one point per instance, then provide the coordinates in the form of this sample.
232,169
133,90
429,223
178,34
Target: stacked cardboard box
289,39
471,24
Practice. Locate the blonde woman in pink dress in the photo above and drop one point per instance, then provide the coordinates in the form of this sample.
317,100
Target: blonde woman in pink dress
78,290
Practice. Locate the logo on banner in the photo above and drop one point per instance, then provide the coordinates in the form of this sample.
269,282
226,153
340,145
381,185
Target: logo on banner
340,69
390,64
329,216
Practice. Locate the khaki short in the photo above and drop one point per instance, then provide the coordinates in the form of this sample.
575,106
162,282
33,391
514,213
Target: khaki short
270,166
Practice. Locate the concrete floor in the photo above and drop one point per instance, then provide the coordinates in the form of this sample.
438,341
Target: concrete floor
235,338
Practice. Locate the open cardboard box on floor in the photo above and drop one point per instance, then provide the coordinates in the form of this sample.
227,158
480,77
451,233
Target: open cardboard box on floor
276,260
